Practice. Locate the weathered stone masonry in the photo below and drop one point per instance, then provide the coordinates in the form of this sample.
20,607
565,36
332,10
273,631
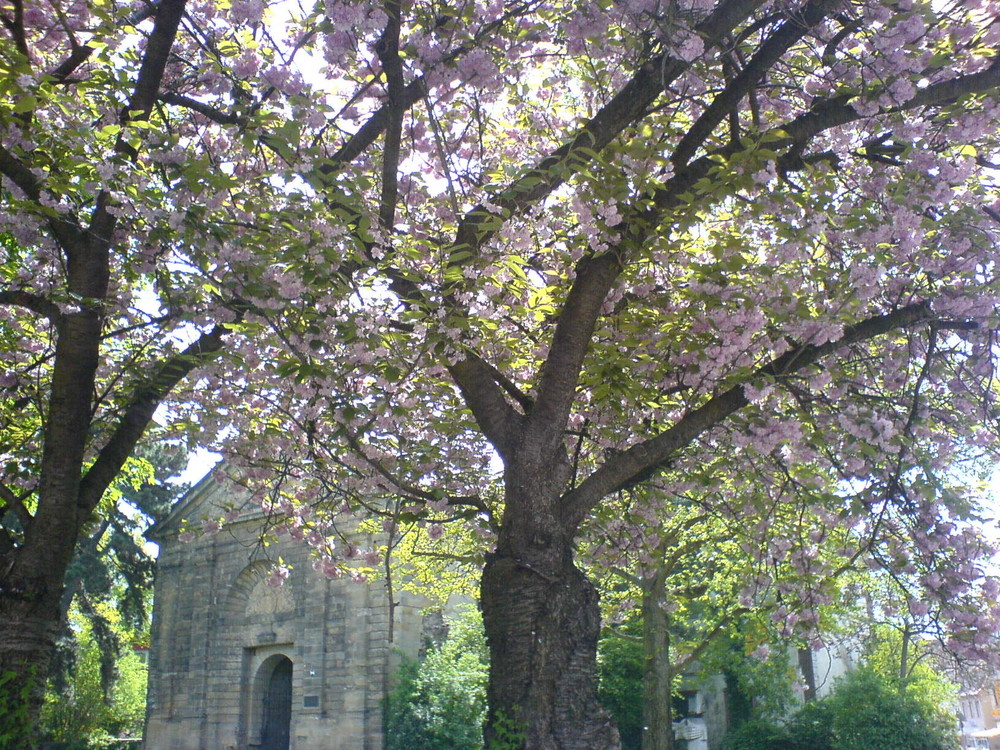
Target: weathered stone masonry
221,636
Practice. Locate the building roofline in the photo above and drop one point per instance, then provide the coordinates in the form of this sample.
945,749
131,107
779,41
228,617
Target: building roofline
171,522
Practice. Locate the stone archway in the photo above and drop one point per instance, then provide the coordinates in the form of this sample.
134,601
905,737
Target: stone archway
273,696
256,627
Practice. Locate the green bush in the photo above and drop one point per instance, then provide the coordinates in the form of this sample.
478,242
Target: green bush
865,712
923,685
619,687
869,713
440,703
15,727
83,715
757,734
811,727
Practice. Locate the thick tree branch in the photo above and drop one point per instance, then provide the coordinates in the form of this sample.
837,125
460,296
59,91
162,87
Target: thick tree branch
154,62
366,135
14,503
822,116
707,640
205,110
64,227
139,411
482,386
374,126
830,113
498,420
557,393
17,172
40,305
492,411
646,457
628,106
570,342
15,26
413,92
769,53
81,53
594,279
524,400
377,123
825,114
392,65
578,317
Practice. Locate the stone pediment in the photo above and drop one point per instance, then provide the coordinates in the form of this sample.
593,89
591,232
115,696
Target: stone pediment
207,499
253,599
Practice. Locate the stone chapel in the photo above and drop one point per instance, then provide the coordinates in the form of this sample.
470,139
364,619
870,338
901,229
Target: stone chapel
237,664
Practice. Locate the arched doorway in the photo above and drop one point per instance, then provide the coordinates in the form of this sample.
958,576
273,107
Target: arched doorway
275,695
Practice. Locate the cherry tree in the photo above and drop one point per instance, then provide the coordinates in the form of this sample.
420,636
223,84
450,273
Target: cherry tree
144,151
84,366
587,243
637,240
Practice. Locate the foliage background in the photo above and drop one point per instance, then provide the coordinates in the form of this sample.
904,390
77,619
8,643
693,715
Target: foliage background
867,710
439,702
85,716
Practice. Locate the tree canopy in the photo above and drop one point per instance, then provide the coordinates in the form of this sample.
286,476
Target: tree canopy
505,261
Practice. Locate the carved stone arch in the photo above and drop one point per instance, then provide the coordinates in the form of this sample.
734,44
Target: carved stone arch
251,598
241,589
256,636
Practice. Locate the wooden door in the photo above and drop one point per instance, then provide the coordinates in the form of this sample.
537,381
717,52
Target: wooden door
277,709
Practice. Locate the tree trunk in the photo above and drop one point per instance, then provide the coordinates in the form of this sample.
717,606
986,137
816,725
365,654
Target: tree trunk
31,578
30,614
904,657
29,625
657,680
808,670
542,625
28,629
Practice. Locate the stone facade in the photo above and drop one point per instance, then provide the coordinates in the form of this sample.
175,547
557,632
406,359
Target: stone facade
236,664
979,716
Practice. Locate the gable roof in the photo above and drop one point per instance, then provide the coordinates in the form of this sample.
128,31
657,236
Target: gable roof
199,495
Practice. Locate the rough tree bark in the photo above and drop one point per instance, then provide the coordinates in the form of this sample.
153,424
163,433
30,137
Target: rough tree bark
542,623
